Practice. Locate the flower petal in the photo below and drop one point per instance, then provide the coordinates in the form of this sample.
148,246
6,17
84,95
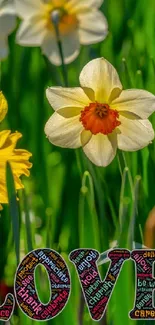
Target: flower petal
93,27
18,159
64,132
31,32
8,141
3,137
8,6
68,102
80,6
85,137
7,22
102,77
70,45
20,163
3,106
135,134
27,8
137,101
101,149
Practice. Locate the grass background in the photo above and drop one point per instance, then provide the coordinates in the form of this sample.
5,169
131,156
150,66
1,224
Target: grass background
68,202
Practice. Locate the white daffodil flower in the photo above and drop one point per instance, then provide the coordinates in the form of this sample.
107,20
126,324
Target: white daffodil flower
79,21
100,116
7,25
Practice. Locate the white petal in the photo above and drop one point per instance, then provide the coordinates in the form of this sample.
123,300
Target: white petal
139,102
70,47
93,27
31,32
7,7
135,134
64,132
102,77
7,22
101,149
67,101
27,8
3,47
80,6
96,3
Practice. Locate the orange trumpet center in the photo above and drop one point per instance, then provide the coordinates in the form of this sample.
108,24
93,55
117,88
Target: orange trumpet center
99,118
59,16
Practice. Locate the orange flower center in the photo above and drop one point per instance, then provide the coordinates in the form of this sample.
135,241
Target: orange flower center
99,118
66,22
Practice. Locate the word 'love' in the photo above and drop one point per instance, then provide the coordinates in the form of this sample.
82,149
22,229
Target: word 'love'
96,292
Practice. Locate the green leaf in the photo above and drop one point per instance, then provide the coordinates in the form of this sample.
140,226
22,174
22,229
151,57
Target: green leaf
14,211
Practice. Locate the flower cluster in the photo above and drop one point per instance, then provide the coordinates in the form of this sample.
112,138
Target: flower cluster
78,21
18,158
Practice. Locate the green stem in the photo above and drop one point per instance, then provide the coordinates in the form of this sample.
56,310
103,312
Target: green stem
119,164
64,70
129,175
27,223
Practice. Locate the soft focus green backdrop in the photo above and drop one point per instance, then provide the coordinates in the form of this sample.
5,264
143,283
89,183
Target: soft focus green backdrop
68,202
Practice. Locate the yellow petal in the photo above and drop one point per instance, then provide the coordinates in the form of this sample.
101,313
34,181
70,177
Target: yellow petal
3,106
3,137
85,137
18,159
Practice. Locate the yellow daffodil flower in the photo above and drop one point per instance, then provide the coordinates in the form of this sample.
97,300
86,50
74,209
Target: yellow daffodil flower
80,22
100,116
18,158
3,106
7,24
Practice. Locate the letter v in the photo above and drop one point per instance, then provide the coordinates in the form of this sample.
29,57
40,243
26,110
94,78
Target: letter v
7,309
97,292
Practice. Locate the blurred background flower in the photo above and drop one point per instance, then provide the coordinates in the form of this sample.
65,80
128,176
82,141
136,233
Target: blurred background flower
76,21
7,25
100,116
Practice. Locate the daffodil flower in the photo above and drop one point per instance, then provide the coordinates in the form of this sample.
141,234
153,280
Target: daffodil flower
18,158
100,116
79,21
7,24
3,106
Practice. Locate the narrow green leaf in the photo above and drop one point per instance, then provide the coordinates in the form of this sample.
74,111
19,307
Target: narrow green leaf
131,232
27,223
14,212
88,219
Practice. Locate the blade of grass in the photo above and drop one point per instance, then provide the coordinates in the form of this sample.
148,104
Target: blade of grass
27,223
88,219
14,211
131,233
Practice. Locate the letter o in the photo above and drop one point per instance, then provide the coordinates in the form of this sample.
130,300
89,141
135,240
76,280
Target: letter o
25,296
